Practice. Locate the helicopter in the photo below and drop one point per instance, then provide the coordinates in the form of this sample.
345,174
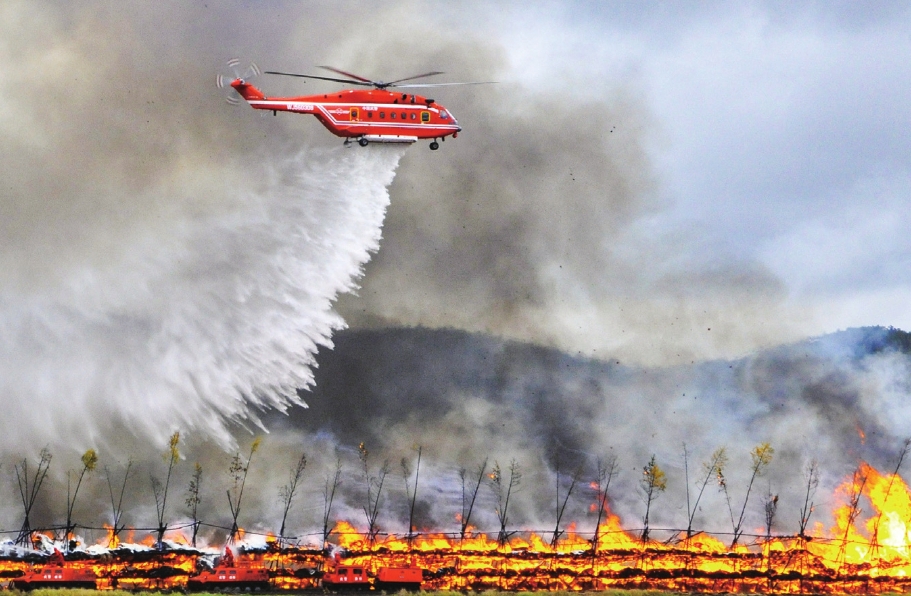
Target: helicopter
382,114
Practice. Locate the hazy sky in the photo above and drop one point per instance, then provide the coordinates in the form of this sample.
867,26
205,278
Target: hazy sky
761,153
779,132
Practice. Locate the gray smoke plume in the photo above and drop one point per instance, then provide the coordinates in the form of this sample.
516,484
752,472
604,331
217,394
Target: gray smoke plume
465,398
539,224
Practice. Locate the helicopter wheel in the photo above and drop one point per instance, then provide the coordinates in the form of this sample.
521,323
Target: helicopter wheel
362,142
434,146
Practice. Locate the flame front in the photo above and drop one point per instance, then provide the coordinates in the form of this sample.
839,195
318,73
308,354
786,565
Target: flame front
866,550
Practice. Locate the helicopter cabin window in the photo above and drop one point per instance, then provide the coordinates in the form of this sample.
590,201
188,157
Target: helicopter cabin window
370,114
382,114
354,115
414,116
443,114
392,115
425,116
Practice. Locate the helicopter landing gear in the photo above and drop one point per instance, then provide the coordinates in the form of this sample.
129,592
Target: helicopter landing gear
362,142
347,143
434,146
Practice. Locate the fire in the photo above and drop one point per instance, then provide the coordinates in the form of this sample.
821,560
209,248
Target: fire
866,549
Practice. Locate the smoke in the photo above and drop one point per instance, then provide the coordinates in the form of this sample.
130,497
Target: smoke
160,269
542,223
466,398
167,263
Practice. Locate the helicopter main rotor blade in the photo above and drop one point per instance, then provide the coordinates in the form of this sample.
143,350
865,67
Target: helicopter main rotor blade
348,74
303,76
420,76
420,85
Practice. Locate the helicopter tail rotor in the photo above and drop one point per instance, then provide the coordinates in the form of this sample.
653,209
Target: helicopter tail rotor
233,70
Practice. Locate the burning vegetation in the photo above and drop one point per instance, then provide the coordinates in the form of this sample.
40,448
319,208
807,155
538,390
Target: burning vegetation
866,549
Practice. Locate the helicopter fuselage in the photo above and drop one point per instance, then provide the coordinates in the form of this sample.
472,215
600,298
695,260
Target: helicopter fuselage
374,115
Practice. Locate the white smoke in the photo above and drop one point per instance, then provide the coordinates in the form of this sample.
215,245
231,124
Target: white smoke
205,320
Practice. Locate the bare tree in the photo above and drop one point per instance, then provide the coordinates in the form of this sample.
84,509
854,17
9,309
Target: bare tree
561,506
652,483
193,499
811,474
286,493
606,470
713,467
160,491
468,502
858,481
238,471
89,461
332,483
761,457
503,491
373,486
28,490
770,507
117,505
906,445
412,495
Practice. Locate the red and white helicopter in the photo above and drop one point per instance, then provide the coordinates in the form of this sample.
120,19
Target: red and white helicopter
376,115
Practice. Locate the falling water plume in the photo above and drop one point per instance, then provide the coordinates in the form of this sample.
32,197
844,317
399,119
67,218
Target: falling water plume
199,323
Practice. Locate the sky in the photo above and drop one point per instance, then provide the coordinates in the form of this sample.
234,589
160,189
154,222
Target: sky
647,184
779,133
769,185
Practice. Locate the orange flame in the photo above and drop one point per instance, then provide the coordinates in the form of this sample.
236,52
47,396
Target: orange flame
867,549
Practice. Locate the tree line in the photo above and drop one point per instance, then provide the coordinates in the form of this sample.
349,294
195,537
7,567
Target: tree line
502,482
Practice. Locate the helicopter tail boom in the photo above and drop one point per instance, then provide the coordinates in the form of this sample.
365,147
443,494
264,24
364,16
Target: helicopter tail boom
247,91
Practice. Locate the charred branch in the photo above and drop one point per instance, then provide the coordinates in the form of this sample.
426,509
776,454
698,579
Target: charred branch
89,462
468,502
238,471
329,489
28,491
412,495
160,491
606,470
117,505
561,506
193,499
503,492
373,489
287,492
